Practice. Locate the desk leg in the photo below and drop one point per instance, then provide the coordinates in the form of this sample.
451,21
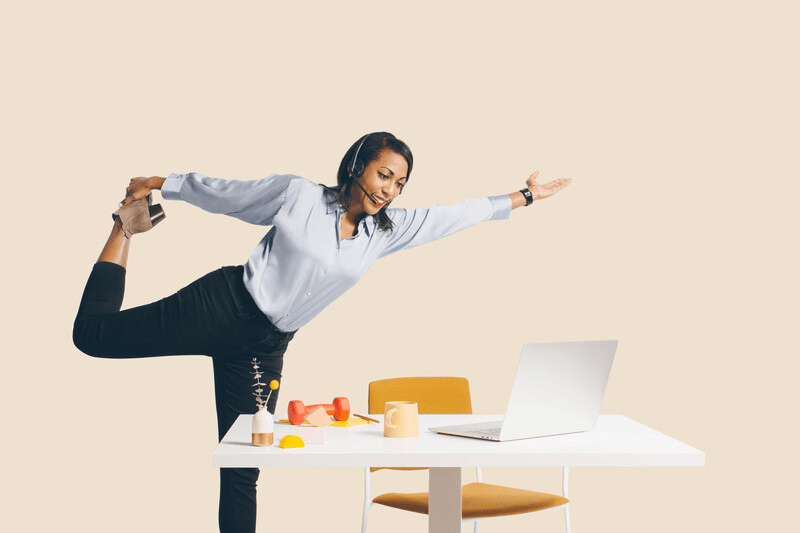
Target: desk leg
444,504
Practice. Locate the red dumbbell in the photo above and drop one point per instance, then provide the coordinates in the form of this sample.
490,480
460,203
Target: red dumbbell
340,409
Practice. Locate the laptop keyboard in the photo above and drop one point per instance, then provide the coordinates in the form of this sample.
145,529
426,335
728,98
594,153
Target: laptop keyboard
487,432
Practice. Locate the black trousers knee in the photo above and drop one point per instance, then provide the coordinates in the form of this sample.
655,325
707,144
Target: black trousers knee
213,316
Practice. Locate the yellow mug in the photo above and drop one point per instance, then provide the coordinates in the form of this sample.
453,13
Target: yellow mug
400,419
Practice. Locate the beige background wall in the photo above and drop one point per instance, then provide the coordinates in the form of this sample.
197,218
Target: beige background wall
678,122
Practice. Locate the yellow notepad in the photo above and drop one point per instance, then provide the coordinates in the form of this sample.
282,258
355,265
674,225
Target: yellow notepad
350,422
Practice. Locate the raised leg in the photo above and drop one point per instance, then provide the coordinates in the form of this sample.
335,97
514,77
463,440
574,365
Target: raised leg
116,247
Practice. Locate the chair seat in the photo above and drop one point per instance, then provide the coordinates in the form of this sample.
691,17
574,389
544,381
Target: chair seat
479,500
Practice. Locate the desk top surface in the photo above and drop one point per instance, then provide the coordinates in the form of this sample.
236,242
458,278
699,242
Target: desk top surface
616,441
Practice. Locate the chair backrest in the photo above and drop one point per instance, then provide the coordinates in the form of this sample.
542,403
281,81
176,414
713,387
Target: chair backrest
434,395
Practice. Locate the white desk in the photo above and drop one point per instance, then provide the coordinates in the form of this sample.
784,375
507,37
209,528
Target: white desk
617,441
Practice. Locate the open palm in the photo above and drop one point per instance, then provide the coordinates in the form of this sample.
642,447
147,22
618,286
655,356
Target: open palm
543,190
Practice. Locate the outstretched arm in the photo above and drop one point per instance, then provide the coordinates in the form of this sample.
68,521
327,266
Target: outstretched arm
539,191
419,226
253,201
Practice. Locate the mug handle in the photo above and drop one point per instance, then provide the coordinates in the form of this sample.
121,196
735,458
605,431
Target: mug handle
388,418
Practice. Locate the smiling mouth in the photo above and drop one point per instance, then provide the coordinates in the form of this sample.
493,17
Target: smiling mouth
378,200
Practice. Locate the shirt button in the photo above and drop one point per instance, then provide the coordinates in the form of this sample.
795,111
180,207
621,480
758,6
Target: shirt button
308,294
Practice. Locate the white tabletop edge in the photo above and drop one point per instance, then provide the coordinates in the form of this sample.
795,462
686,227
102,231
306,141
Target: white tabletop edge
617,441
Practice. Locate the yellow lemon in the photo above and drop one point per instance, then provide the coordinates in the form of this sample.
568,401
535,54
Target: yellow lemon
291,441
273,384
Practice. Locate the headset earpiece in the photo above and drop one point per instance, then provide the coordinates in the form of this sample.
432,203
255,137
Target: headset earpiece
358,169
355,169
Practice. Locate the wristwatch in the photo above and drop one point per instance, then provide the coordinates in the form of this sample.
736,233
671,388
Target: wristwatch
528,196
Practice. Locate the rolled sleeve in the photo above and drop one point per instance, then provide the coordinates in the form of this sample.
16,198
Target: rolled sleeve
171,188
501,207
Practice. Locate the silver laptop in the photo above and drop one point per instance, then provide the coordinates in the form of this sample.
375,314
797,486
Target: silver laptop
558,389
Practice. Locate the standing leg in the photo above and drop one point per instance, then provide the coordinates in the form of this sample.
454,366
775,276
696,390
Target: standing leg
233,385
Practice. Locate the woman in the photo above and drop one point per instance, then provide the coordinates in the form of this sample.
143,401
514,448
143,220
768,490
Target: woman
321,242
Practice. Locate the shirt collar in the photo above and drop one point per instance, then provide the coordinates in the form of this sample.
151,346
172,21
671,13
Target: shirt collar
329,197
367,223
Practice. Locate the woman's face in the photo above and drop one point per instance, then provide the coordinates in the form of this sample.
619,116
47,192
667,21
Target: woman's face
383,178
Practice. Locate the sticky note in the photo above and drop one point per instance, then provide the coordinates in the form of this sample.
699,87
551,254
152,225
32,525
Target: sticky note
318,417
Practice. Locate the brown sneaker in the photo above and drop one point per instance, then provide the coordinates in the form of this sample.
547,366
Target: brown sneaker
139,216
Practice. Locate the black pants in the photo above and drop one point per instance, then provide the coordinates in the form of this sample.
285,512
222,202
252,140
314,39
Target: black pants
213,316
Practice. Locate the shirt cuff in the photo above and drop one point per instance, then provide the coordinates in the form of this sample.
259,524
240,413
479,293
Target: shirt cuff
501,207
171,188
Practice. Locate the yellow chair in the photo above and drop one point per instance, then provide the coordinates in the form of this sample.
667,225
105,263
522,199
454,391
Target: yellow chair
450,395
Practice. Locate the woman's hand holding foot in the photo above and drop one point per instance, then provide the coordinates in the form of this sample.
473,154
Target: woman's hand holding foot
139,188
136,215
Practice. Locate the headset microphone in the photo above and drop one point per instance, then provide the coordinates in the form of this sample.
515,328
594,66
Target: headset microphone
351,169
371,199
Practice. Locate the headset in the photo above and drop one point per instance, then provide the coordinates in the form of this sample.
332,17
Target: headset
351,168
355,172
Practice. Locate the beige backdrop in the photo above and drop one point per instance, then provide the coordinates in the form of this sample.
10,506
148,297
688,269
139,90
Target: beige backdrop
678,123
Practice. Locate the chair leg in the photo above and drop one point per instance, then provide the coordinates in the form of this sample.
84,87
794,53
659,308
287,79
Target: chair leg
479,479
364,520
565,493
367,502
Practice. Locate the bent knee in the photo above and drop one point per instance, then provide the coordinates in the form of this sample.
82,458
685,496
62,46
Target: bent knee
85,341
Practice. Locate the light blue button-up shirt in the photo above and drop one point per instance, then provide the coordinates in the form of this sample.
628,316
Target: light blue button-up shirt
301,265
